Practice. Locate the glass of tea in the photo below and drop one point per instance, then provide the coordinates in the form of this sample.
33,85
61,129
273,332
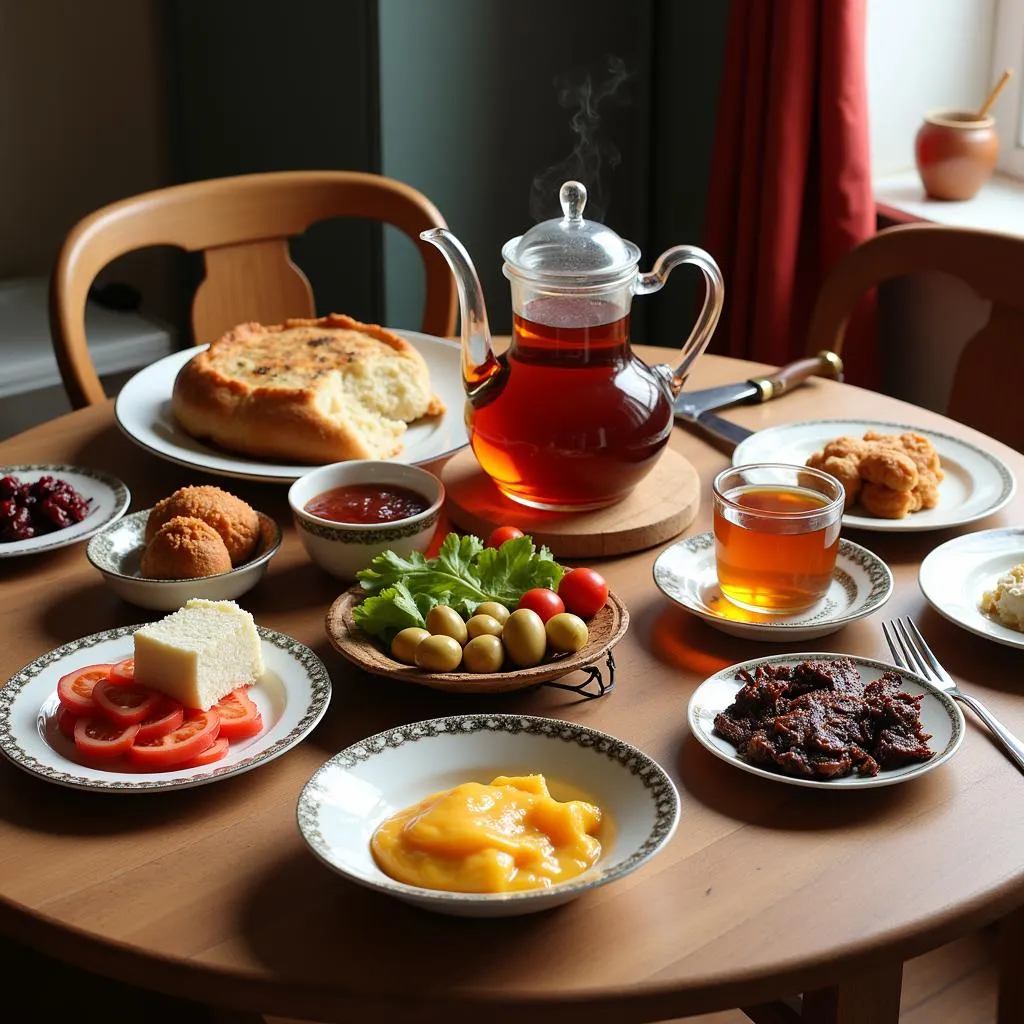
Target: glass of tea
776,535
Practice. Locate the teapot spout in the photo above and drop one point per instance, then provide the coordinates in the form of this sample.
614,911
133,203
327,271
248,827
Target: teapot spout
478,362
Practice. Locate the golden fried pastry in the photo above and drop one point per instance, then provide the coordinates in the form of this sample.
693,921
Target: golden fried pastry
235,521
185,548
927,489
844,468
846,447
890,467
887,503
921,450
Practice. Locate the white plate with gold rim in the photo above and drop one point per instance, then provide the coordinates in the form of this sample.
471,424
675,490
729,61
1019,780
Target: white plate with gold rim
347,798
940,717
292,696
954,576
976,484
143,411
861,584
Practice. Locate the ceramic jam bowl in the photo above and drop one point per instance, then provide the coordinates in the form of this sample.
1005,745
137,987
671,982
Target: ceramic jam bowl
343,548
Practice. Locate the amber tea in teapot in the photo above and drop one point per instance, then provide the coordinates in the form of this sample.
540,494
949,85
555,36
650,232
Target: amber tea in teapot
569,418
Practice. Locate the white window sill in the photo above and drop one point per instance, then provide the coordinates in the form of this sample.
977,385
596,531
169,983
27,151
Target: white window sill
998,206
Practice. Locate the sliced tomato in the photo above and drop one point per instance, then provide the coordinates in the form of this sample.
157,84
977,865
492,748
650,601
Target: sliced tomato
66,722
98,737
75,689
239,715
197,732
211,754
164,718
123,672
124,703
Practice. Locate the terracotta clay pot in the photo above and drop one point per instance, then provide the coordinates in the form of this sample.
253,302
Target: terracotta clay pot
956,153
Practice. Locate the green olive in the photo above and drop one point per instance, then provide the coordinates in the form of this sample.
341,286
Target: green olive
480,625
495,609
524,638
445,621
403,647
484,653
566,632
439,653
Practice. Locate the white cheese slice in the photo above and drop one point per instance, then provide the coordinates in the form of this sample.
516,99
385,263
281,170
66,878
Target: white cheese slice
200,653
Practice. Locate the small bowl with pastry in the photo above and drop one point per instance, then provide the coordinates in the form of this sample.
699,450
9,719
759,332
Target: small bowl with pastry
197,542
348,512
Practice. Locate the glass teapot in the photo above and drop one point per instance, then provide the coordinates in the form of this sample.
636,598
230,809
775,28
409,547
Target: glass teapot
568,418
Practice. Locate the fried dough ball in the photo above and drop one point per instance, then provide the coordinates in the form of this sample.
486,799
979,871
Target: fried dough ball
927,489
890,467
846,447
235,521
844,468
886,503
185,548
921,450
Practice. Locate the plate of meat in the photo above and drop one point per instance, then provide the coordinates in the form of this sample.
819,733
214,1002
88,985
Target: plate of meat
897,477
827,721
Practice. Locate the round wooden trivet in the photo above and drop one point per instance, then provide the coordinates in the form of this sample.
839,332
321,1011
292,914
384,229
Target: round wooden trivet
660,507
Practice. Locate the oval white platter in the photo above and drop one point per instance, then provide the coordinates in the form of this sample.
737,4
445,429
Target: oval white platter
954,576
108,498
347,798
143,411
976,483
940,716
292,696
861,584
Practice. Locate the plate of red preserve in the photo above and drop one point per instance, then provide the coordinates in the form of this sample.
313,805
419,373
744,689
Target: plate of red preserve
43,507
829,721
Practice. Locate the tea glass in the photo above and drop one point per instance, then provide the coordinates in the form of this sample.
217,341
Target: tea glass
776,535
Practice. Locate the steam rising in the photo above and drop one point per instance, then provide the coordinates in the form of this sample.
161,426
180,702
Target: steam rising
592,150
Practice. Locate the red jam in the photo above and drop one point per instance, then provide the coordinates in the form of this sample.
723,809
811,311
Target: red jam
367,503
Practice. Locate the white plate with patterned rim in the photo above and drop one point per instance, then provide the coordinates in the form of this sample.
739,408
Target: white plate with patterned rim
954,576
347,798
976,483
940,716
292,695
107,496
861,584
143,411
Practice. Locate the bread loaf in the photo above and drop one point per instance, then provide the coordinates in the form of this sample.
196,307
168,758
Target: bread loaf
309,391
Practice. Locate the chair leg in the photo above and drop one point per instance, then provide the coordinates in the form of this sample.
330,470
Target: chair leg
871,997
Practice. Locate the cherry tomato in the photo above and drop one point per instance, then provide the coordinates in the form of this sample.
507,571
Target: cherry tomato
502,534
75,689
164,718
124,704
584,592
544,601
212,753
123,672
98,737
197,732
239,715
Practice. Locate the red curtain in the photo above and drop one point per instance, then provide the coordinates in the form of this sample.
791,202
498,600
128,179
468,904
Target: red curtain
790,189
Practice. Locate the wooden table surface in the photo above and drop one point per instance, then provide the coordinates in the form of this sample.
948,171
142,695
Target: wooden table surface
765,890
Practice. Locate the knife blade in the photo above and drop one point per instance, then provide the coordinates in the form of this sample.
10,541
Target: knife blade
690,405
695,407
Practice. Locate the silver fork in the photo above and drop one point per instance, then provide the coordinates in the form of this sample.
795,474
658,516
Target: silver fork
910,651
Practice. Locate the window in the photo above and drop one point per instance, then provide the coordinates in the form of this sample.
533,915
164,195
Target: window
1008,52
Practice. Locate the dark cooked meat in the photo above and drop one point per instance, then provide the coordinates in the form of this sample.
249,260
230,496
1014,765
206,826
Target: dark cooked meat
817,719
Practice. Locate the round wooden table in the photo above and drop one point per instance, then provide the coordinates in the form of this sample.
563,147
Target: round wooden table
766,890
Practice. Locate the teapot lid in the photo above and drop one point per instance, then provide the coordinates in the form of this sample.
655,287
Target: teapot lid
570,247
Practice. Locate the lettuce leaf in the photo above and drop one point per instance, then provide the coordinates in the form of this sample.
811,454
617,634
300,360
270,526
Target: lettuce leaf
401,589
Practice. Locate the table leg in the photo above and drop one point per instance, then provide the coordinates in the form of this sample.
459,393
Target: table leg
870,997
1011,978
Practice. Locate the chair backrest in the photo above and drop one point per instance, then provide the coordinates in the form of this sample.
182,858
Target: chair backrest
986,383
242,225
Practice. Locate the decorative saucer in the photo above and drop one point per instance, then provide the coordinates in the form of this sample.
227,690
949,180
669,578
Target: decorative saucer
686,574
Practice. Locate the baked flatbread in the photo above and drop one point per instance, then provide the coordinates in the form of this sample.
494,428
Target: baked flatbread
310,391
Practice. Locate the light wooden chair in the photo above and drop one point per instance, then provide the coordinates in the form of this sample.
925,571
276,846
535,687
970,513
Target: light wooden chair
986,385
242,225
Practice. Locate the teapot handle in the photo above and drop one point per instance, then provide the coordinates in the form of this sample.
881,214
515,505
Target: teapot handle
709,314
